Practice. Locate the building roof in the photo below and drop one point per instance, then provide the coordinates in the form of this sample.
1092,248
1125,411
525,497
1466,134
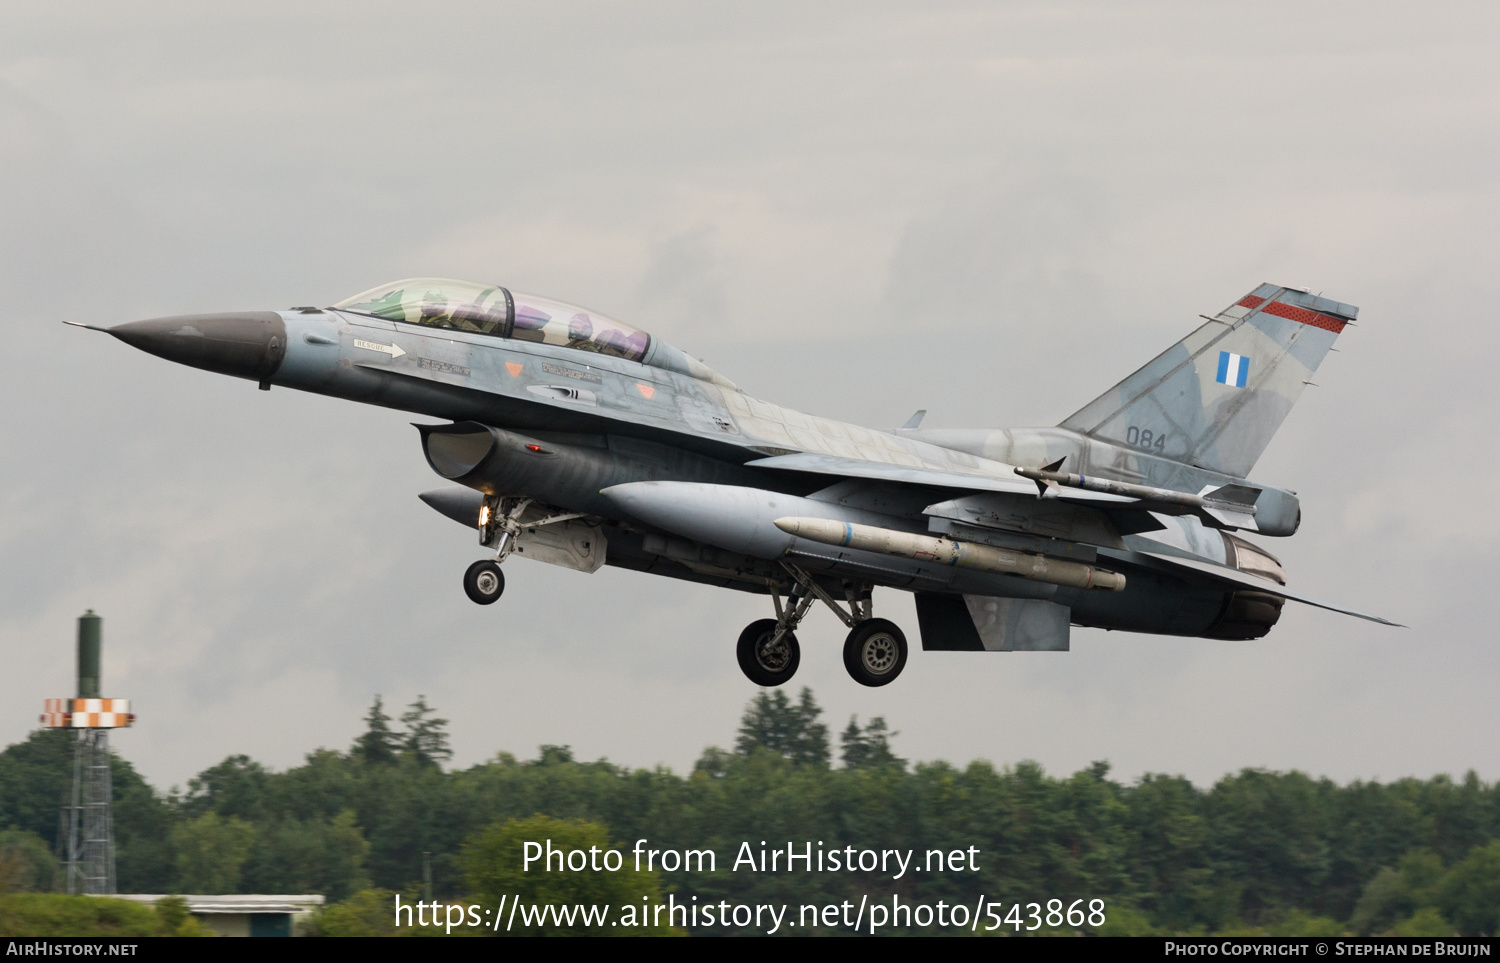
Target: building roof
235,902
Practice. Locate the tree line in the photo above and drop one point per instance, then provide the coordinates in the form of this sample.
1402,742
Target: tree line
1257,851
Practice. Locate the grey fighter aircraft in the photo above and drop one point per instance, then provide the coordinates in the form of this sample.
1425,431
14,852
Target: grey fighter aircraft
581,441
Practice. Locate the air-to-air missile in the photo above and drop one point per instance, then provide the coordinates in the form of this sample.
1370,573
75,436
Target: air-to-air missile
582,441
947,551
1233,505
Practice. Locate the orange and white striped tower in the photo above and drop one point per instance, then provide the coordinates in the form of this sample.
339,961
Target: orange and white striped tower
91,843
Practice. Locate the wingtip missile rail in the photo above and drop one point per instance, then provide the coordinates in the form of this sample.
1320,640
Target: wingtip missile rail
1230,506
945,551
1048,478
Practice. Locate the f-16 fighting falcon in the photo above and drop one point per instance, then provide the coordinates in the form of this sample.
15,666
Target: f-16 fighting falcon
580,441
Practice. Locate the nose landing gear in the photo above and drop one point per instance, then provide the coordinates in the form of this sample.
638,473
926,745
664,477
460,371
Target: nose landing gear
499,527
499,524
484,582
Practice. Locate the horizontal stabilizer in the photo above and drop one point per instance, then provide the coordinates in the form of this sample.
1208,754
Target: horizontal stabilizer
1231,505
1242,580
1242,496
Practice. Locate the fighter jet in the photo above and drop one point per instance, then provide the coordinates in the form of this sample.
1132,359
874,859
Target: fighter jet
581,441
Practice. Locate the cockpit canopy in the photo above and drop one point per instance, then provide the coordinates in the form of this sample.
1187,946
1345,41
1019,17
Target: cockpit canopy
490,309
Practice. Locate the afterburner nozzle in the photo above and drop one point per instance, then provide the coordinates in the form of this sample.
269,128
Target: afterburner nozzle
945,551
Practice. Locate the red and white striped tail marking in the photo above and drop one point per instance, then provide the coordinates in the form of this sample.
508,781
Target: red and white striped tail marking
87,714
1291,312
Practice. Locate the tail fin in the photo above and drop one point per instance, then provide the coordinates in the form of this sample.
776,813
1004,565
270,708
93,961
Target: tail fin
1216,397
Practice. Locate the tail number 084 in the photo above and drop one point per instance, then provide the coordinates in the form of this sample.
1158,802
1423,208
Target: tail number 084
1146,438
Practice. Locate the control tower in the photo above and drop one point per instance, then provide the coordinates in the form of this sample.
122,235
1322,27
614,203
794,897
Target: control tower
91,842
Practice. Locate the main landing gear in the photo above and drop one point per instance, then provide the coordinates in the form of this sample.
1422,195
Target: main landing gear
768,654
874,652
499,526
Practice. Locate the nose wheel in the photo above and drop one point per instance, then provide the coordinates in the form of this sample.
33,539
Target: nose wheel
484,582
875,652
768,655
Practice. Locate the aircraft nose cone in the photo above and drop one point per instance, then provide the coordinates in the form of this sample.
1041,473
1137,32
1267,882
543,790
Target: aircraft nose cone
245,344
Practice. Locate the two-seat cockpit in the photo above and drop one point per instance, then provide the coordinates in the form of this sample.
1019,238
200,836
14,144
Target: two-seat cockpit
494,310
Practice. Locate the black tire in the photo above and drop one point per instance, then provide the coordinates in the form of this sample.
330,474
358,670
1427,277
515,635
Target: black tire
484,582
765,666
875,652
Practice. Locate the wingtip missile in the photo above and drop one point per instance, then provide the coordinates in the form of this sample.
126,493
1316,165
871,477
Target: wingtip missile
1045,487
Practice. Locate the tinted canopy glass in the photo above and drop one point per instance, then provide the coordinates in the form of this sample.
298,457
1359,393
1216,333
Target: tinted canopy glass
437,302
553,322
489,309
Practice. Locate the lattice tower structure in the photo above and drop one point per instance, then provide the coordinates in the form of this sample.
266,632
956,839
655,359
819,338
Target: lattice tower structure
91,838
85,818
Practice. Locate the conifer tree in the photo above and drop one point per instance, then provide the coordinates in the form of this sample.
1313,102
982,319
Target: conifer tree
868,748
793,732
426,738
378,744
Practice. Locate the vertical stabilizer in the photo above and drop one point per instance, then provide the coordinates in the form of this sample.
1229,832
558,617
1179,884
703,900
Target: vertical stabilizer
1216,397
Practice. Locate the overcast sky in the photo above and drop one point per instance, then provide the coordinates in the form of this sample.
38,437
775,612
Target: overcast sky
993,211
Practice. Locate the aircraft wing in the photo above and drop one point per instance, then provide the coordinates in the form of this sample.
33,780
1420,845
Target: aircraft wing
931,477
1220,573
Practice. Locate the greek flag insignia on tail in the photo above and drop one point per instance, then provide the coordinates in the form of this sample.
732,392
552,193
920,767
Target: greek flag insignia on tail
1234,369
1288,332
